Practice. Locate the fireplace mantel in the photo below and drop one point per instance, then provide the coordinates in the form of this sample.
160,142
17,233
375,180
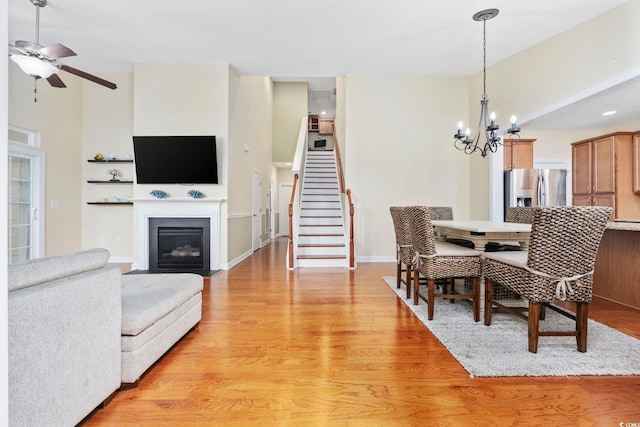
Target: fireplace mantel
177,208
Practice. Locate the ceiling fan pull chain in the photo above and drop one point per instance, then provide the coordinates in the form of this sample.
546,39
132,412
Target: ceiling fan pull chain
35,90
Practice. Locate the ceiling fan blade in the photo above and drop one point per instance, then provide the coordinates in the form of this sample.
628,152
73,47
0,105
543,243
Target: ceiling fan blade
88,76
55,81
27,48
57,50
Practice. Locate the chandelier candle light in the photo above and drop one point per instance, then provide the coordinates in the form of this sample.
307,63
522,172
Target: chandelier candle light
464,141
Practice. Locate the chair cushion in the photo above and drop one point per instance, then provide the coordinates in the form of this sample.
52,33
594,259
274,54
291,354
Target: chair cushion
515,258
449,249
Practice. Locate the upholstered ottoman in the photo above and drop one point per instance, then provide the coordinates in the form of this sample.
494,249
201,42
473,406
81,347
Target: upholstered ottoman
157,310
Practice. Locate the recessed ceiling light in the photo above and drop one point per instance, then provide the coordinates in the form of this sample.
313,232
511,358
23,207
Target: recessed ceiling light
323,113
609,113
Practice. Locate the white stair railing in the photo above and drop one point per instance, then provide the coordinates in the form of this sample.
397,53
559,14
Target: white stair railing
297,169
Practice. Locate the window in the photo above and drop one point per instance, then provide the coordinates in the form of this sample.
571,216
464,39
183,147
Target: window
25,197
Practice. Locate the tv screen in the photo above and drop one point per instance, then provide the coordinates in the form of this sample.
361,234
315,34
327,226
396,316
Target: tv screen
175,159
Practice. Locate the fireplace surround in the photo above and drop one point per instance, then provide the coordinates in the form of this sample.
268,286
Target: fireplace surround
175,209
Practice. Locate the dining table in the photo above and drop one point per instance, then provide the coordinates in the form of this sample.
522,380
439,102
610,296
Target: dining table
479,233
482,232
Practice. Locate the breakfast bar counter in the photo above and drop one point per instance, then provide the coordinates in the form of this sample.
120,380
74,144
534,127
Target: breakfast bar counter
617,269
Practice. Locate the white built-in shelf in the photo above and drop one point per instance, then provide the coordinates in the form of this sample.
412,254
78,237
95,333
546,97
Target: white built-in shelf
109,182
109,203
109,161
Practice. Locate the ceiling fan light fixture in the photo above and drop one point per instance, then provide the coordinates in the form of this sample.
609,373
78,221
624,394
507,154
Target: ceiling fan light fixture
35,67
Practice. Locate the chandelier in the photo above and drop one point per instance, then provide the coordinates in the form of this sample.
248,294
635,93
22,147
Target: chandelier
464,141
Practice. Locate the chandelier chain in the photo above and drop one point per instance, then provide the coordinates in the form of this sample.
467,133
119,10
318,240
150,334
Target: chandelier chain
484,59
487,124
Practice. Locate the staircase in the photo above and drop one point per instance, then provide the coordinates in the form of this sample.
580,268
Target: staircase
321,236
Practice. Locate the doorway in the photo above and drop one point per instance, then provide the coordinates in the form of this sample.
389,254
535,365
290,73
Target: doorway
283,208
25,197
256,208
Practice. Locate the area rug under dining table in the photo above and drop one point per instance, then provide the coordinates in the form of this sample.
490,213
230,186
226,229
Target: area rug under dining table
500,350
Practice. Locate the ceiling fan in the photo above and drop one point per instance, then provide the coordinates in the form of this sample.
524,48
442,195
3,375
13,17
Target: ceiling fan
41,61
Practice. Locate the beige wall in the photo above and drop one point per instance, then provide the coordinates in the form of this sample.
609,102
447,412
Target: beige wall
250,148
57,116
4,344
395,132
107,127
250,142
398,151
290,104
185,99
563,67
340,119
550,75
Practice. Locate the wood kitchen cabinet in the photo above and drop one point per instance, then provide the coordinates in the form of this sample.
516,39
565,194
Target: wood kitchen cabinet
636,163
314,124
325,127
519,155
603,174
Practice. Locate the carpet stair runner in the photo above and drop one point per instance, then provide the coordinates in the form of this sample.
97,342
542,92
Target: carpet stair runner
321,236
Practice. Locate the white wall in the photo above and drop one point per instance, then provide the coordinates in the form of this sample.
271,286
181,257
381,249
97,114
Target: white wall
250,142
185,99
250,147
57,116
107,128
4,102
399,151
551,75
290,104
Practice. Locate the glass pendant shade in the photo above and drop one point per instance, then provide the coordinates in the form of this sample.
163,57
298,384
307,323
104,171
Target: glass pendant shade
35,67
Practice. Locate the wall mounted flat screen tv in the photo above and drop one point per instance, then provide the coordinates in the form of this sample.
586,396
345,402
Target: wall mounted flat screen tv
175,159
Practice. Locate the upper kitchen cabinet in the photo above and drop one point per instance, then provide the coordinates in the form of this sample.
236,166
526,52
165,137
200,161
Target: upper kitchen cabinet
603,174
314,124
325,127
518,153
636,163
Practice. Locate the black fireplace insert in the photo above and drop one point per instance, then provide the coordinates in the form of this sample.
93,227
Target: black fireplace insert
179,245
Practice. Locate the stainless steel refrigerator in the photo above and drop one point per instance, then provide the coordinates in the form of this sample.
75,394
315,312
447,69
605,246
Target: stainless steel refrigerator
535,187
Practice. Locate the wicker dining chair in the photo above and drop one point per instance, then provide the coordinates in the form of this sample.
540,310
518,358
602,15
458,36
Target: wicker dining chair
557,267
404,246
519,214
441,260
444,213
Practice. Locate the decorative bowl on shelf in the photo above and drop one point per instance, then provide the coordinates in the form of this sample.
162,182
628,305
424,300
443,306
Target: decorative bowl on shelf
195,194
159,194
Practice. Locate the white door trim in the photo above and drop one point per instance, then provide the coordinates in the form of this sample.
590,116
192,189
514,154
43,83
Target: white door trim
256,209
37,159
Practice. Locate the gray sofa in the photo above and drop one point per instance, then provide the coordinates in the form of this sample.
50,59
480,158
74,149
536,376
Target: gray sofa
79,330
64,337
157,310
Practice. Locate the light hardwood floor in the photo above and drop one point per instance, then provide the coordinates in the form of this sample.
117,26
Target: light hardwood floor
332,347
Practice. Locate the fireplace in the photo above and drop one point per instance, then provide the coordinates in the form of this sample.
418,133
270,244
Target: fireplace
179,209
179,244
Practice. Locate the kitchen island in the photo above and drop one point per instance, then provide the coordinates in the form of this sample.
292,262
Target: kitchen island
617,268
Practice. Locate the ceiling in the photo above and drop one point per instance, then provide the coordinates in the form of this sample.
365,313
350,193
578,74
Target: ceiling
299,39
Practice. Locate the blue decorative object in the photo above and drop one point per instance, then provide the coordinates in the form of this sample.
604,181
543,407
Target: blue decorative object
159,194
195,194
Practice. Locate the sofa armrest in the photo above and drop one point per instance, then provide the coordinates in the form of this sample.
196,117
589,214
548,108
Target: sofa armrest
64,347
40,270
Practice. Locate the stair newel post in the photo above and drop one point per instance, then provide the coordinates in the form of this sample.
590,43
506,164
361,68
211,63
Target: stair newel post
290,211
351,244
